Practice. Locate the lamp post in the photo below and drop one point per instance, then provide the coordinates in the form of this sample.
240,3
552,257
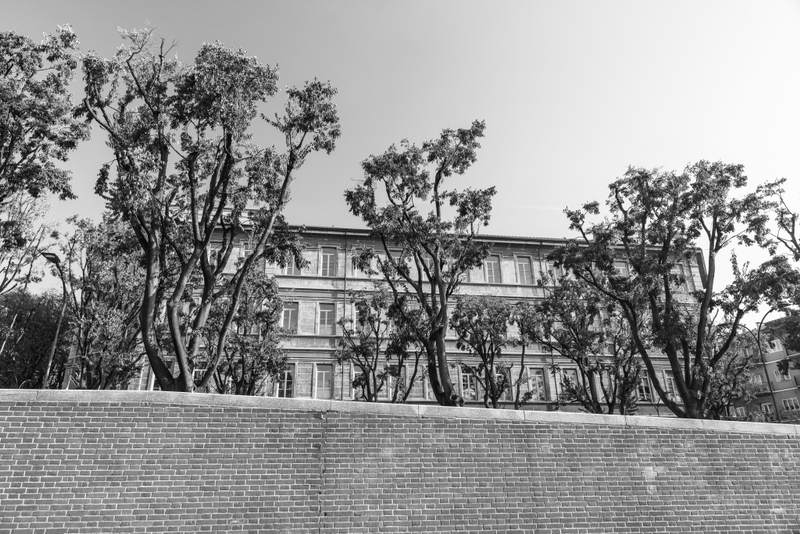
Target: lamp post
55,260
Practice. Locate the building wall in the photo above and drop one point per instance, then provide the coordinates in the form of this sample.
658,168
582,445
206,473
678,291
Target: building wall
310,288
785,387
92,461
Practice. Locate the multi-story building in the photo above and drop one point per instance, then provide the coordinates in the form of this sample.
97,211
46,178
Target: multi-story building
775,381
316,298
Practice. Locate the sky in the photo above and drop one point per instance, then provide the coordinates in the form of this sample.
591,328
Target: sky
572,91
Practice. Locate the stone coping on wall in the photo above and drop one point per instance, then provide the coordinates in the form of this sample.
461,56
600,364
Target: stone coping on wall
396,410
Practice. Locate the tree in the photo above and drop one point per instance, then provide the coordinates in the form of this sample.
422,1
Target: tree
524,319
205,203
37,132
102,275
378,349
481,324
37,126
786,233
730,381
657,221
28,324
22,238
424,254
775,285
252,353
576,323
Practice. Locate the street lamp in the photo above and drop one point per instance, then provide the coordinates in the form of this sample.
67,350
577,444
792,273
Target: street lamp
55,260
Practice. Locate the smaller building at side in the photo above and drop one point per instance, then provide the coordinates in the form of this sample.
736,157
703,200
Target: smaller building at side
775,380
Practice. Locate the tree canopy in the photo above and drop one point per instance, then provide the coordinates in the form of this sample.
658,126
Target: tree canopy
658,223
428,234
204,201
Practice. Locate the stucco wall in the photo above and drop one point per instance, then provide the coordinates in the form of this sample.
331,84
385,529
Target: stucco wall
158,462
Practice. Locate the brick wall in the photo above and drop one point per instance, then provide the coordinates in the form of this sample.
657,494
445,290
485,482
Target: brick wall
159,462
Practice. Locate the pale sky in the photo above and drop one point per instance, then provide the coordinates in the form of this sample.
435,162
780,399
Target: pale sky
572,91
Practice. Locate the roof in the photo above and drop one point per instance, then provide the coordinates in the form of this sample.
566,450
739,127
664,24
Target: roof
366,232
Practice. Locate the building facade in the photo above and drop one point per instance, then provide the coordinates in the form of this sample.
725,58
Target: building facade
775,385
316,298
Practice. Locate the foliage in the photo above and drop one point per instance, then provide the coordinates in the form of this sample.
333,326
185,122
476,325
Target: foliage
380,352
27,326
730,381
37,133
251,354
657,220
204,201
427,235
481,324
102,276
22,237
37,126
785,232
578,324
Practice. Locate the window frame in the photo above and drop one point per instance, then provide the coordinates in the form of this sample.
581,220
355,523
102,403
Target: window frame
499,270
296,328
791,404
325,252
319,319
779,375
290,269
472,380
281,383
644,385
317,373
670,386
529,378
529,262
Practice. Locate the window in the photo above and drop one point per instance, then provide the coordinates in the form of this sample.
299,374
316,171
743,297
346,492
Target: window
766,408
680,272
570,376
417,387
791,404
551,273
756,380
504,377
199,371
290,317
622,267
493,270
779,375
327,318
644,391
475,275
669,385
469,386
144,377
396,379
536,384
524,272
329,261
740,412
284,386
324,376
291,269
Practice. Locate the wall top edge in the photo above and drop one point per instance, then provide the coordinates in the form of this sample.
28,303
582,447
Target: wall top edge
14,396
